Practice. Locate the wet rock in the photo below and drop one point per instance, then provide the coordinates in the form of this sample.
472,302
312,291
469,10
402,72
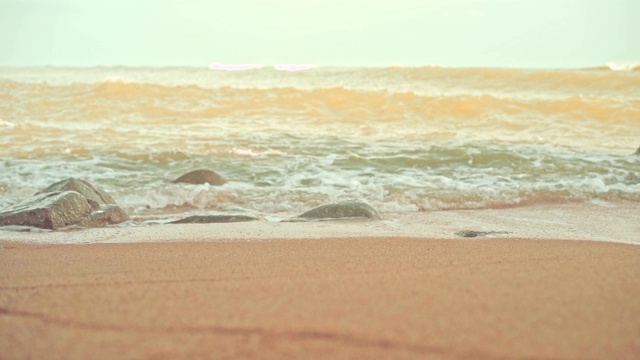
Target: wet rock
105,215
201,177
94,196
470,233
209,219
475,233
51,210
341,210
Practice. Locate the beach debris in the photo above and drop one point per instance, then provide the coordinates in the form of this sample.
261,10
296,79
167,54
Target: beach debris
475,233
209,219
105,215
94,196
201,176
350,209
51,210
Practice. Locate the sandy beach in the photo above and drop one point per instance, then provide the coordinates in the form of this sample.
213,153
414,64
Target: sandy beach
319,180
328,298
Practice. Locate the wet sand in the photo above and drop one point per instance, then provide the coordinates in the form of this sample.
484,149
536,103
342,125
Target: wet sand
328,298
596,221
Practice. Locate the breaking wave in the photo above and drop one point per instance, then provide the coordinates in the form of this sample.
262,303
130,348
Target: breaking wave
403,139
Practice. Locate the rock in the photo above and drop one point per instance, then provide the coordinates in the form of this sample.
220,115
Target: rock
51,210
95,196
105,215
341,210
208,219
201,177
475,233
64,203
470,233
637,152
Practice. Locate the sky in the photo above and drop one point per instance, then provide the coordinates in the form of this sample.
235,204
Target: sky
451,33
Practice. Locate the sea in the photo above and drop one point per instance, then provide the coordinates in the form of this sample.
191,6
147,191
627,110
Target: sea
403,139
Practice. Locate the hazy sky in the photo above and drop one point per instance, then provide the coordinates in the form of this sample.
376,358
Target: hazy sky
498,33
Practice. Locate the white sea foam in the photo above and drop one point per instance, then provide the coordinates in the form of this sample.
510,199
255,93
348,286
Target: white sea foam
6,123
294,67
622,66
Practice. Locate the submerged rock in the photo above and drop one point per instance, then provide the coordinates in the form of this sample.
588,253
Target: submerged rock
94,196
51,210
341,210
105,215
201,177
209,219
475,233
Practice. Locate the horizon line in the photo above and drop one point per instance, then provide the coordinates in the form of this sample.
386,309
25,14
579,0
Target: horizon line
613,66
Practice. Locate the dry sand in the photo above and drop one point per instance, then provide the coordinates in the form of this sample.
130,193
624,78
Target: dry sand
330,298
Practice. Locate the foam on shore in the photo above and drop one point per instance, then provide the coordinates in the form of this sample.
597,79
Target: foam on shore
595,221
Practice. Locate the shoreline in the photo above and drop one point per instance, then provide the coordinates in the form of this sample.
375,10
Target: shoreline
561,283
336,298
594,221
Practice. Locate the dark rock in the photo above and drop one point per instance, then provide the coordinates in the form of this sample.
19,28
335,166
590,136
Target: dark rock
470,233
105,215
48,211
474,233
637,152
94,196
208,219
201,177
342,210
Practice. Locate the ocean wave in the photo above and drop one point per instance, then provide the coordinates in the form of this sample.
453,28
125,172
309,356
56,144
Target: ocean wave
403,139
623,67
114,97
517,80
392,179
121,113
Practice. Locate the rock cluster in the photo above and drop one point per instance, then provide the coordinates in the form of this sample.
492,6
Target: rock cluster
68,202
350,209
77,202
